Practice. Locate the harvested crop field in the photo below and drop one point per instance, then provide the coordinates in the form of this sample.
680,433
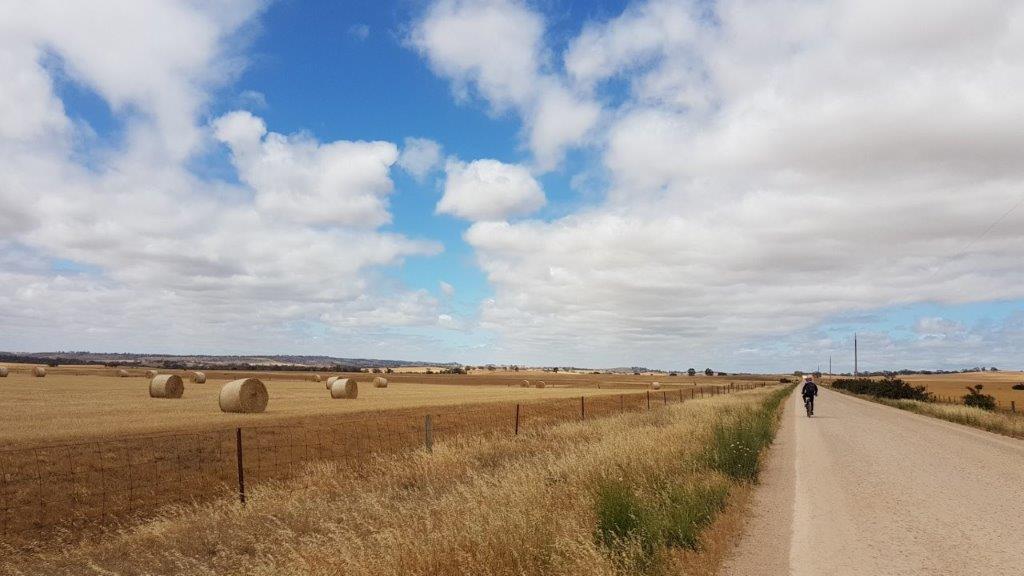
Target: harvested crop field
998,384
94,403
544,502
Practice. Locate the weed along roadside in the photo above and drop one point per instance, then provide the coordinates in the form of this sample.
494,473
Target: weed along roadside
646,516
916,399
627,494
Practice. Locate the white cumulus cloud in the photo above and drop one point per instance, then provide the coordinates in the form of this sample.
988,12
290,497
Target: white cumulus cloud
420,157
495,47
489,190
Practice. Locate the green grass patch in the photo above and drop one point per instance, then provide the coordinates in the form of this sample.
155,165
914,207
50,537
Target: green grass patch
641,516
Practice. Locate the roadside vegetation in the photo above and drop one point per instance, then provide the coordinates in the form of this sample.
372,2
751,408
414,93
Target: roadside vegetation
888,388
1006,423
978,409
644,493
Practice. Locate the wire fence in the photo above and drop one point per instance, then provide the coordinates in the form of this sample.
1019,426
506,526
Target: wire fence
78,484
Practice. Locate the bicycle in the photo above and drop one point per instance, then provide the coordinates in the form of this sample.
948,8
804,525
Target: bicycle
809,405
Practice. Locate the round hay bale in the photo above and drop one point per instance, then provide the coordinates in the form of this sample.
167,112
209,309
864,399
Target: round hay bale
151,374
379,382
317,378
122,373
541,384
344,388
656,385
39,372
247,395
332,380
166,386
524,384
199,377
4,371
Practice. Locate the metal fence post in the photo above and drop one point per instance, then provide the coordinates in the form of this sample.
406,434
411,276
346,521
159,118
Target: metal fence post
583,409
648,399
517,419
428,429
664,396
241,469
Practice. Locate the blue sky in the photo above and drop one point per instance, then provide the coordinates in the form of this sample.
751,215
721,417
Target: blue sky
605,183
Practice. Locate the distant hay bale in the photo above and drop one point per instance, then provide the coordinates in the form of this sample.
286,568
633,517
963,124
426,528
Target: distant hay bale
151,374
379,382
199,377
39,372
247,395
656,385
524,384
4,371
122,373
317,378
541,384
344,388
166,386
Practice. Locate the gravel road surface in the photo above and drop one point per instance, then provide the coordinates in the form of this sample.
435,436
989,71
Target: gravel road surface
864,489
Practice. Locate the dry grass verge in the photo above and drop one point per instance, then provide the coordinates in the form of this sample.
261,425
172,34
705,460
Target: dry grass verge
638,493
1005,423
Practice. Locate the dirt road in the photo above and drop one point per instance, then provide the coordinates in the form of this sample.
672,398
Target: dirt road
864,489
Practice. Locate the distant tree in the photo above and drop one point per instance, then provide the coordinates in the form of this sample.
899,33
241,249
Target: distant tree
817,374
429,371
555,369
691,372
673,374
722,374
798,373
993,369
709,372
389,371
515,368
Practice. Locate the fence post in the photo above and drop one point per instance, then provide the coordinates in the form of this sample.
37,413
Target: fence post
517,419
1013,406
428,432
622,402
680,394
664,396
648,399
241,468
583,409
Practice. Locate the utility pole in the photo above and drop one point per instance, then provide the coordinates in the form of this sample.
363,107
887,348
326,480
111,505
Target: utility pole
855,371
830,365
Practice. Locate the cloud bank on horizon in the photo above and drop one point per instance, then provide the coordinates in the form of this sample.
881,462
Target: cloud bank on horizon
771,174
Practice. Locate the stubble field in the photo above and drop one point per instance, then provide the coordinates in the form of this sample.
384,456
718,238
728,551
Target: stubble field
84,403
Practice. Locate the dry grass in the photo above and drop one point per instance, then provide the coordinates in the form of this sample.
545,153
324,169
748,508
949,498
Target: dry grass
998,422
91,406
484,506
997,384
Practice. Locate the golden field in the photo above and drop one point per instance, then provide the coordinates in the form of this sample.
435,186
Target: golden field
997,384
75,403
555,501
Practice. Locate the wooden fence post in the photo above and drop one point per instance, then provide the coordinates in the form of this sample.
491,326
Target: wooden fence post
428,429
648,399
1013,406
583,409
517,419
241,468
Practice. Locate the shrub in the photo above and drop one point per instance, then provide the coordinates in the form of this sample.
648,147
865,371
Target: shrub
785,381
890,388
975,398
1018,386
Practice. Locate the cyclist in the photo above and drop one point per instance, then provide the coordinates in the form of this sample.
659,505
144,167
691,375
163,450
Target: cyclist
809,391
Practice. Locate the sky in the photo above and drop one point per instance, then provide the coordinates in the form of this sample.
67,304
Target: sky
735,184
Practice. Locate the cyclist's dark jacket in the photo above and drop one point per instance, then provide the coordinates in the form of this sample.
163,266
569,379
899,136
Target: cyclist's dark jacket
809,389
